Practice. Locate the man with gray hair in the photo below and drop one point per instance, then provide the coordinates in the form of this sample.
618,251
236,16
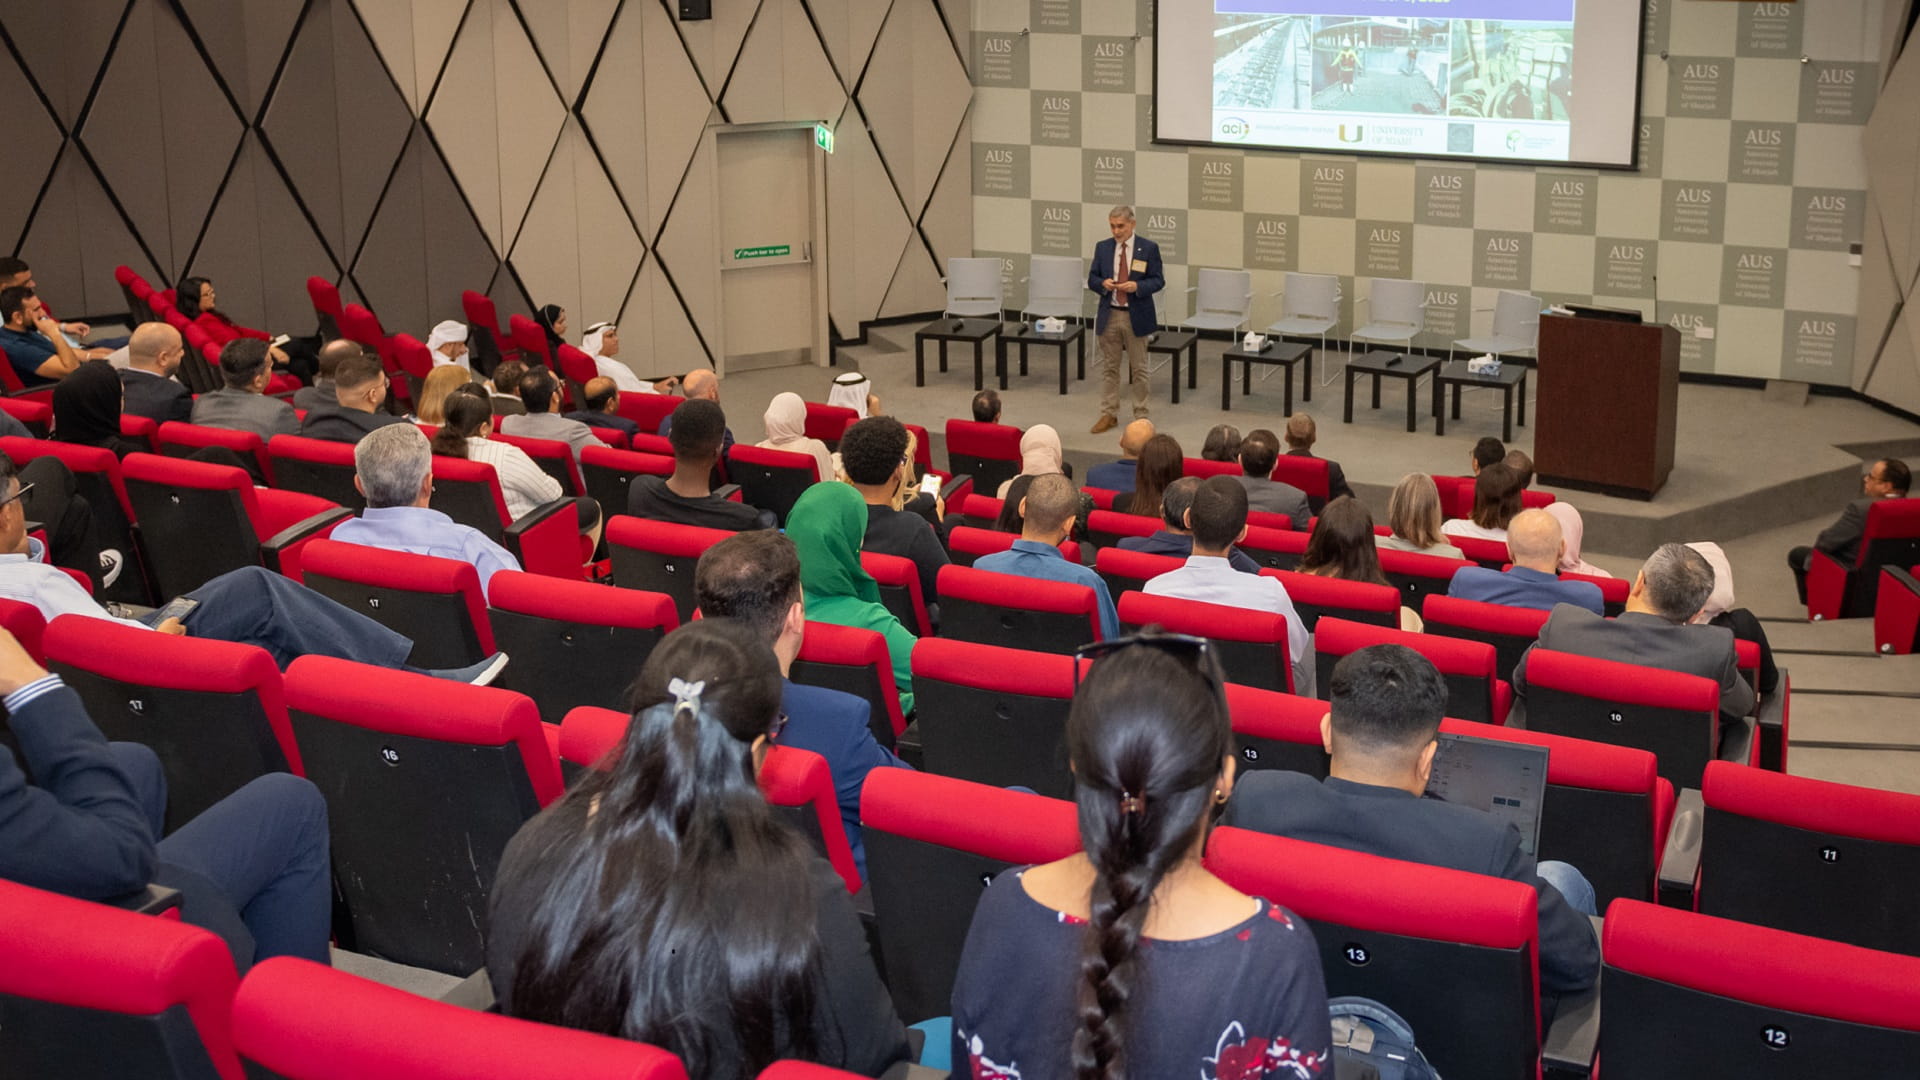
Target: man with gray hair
1126,274
1670,589
393,468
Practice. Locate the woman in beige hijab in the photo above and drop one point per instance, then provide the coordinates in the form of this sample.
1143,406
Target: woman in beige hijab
1572,529
787,430
1040,454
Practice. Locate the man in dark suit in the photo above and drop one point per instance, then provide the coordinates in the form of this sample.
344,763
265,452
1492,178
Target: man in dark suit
1888,478
1300,435
597,411
1258,451
1386,706
154,352
1533,581
1654,632
755,577
1126,274
1119,475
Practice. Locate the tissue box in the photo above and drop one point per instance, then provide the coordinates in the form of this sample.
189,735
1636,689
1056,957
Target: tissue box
1252,342
1484,365
1050,326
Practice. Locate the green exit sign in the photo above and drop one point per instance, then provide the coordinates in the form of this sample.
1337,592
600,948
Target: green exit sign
823,137
764,251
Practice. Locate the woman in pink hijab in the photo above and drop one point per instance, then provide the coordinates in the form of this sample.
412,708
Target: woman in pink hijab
1571,531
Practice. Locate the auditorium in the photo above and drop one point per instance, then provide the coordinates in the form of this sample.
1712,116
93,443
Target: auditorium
1020,539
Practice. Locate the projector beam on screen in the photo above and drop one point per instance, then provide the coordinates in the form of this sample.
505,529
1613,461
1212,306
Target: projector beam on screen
1527,81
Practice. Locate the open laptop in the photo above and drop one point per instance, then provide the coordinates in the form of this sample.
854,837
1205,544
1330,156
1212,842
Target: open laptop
1505,779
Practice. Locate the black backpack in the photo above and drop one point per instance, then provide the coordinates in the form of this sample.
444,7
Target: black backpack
1372,1042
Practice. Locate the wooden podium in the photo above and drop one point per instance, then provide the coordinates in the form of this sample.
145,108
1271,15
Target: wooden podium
1609,391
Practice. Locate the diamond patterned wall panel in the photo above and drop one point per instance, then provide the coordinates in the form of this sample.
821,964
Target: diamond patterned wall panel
714,43
33,145
64,45
653,312
947,222
686,248
424,246
849,28
646,111
863,211
783,73
568,34
591,279
913,97
1887,346
260,248
83,237
414,40
246,40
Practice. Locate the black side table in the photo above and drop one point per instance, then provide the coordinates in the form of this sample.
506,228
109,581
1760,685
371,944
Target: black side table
976,331
1173,343
1075,335
1394,365
1283,354
1454,373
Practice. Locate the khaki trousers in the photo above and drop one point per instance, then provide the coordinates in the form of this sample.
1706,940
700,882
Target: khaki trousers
1118,337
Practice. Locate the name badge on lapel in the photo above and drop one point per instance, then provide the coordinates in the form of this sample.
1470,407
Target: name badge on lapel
1139,266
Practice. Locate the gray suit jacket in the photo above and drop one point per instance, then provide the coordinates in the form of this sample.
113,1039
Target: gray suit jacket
1276,497
1842,538
1650,641
551,426
241,411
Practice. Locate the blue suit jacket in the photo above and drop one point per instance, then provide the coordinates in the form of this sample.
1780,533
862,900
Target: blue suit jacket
1140,304
834,725
1521,587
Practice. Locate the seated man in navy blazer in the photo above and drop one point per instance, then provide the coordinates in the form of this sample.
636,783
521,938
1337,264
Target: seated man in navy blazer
1533,581
754,577
1386,706
1125,275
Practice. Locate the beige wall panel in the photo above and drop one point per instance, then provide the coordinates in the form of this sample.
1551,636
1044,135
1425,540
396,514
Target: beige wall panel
948,220
959,19
414,39
126,132
76,240
647,111
465,125
577,248
1893,27
1880,294
568,34
245,40
714,43
783,74
655,336
68,41
33,145
1892,144
914,95
1896,377
260,250
688,247
849,28
863,215
916,283
530,116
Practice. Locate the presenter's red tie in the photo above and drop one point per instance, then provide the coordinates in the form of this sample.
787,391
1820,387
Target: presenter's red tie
1120,274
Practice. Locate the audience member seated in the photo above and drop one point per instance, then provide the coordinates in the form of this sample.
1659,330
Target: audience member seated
700,384
553,321
1222,444
854,390
1487,451
1522,467
1119,475
1300,436
1160,463
504,392
601,409
1173,538
1496,499
447,344
687,497
35,347
195,299
1342,546
1258,451
826,526
1719,611
359,394
1572,531
154,352
444,379
1047,514
1040,455
1655,630
1414,519
754,578
322,392
1010,519
87,408
251,867
251,605
242,404
393,468
1062,974
1888,478
1218,520
986,407
664,902
540,393
50,495
1535,545
16,274
874,453
786,425
464,434
602,342
1385,707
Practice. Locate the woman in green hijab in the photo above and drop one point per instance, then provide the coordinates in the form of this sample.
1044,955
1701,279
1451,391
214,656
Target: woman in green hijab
827,525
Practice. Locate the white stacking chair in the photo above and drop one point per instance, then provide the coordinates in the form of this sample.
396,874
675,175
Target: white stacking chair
1056,288
1309,307
1516,326
1396,313
973,288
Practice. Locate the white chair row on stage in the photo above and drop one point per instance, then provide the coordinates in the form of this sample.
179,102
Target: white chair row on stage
1220,300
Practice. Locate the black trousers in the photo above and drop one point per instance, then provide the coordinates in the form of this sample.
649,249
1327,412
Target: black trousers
65,514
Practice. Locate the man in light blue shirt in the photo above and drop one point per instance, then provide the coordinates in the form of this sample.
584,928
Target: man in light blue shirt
1048,510
393,468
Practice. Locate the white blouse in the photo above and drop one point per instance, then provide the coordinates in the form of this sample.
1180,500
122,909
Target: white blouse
525,485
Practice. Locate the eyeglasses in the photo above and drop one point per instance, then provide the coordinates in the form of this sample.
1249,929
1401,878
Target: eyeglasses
24,488
1195,651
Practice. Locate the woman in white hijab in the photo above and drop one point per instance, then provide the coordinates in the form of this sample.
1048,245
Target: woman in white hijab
787,430
448,344
1040,455
1572,529
1719,611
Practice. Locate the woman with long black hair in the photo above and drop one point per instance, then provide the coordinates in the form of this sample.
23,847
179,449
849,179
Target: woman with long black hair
196,299
1132,959
662,900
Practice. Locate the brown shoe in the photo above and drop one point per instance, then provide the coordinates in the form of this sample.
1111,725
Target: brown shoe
1105,423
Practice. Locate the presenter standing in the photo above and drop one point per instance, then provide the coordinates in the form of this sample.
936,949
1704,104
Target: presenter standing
1126,274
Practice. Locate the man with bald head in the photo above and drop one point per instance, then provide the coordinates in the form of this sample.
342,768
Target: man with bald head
1535,545
700,384
322,392
1118,475
601,409
154,353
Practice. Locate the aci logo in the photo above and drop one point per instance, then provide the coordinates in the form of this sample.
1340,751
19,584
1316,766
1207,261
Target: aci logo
1232,127
1513,141
1358,133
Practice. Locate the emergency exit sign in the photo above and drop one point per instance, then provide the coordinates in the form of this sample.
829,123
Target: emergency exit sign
823,137
764,251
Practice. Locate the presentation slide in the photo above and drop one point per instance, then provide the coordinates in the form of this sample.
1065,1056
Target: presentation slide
1497,80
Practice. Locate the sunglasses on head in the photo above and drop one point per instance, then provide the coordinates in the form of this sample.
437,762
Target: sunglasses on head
1196,652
